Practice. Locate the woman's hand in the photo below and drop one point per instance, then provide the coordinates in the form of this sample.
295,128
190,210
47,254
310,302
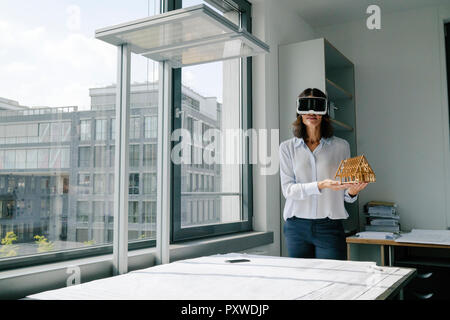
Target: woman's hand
355,188
331,184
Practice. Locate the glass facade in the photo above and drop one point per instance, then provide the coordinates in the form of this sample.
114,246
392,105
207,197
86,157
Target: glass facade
75,175
57,145
58,163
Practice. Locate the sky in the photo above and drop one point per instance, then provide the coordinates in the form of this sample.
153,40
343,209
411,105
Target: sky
50,57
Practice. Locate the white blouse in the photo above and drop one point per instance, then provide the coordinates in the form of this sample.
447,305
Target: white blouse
301,169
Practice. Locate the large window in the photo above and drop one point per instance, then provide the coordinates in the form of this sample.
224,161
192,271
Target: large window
211,197
57,127
58,164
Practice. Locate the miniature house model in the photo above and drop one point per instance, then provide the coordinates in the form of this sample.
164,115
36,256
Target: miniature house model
355,170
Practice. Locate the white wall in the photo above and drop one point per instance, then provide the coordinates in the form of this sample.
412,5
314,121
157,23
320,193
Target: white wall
275,25
402,111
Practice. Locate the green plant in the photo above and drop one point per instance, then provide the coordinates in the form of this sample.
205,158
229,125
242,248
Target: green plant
8,249
43,244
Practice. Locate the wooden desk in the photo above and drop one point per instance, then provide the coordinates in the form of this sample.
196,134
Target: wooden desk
389,243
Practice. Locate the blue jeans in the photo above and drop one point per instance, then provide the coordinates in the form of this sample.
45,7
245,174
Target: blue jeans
315,238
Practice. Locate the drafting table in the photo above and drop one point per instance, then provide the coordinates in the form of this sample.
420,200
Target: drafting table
264,277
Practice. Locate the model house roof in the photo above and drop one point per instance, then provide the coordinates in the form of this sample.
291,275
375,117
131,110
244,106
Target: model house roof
355,169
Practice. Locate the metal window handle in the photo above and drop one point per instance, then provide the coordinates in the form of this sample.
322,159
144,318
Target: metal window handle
178,112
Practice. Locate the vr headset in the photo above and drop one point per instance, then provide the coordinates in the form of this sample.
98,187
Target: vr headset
312,105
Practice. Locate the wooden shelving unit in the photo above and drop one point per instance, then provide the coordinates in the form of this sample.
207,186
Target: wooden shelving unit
339,125
336,91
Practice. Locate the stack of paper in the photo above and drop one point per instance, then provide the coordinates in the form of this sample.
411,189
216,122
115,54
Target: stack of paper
382,216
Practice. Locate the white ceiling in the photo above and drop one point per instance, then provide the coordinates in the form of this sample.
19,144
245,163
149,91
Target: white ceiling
319,13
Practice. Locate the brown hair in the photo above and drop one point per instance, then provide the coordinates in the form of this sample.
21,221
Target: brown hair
299,128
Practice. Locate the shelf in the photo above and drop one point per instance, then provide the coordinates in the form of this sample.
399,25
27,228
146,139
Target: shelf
335,92
338,125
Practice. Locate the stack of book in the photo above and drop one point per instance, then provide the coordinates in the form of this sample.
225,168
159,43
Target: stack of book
382,216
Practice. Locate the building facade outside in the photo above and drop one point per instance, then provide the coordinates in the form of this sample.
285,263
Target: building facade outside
57,169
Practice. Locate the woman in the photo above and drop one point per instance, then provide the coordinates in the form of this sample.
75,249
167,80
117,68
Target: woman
314,208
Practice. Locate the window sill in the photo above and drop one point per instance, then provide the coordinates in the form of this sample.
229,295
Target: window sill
18,283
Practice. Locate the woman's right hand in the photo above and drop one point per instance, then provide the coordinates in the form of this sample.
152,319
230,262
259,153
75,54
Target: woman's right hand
331,184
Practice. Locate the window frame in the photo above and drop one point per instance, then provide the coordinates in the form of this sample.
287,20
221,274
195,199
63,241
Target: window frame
177,233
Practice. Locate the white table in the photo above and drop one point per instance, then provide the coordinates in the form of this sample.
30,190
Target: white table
264,277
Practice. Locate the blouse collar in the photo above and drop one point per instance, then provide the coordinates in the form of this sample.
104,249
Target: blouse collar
300,141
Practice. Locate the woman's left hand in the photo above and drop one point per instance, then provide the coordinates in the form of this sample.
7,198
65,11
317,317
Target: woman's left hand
355,188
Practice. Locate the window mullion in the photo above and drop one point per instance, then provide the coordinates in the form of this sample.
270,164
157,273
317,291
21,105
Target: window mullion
164,164
120,241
